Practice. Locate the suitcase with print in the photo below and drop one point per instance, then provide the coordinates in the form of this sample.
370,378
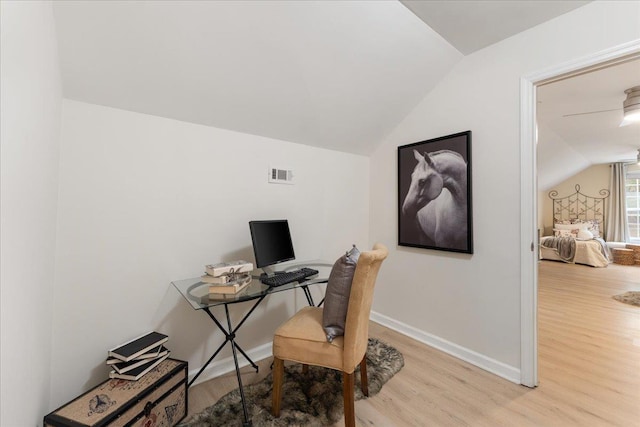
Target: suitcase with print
158,399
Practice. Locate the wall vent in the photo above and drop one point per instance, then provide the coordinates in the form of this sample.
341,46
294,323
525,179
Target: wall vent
280,175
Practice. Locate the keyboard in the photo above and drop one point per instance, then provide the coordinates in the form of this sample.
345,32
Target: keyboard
285,277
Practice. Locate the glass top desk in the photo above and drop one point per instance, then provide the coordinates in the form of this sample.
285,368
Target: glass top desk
197,294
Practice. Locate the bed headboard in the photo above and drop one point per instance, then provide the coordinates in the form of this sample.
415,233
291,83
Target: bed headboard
578,206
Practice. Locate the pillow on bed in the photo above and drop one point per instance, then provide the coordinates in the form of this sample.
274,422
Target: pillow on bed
566,233
593,225
584,235
580,226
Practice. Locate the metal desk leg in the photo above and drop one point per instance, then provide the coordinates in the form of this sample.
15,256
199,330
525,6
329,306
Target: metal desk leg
233,333
247,421
227,336
307,293
207,364
230,335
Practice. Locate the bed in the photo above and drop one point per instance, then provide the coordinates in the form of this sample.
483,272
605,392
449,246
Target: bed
578,222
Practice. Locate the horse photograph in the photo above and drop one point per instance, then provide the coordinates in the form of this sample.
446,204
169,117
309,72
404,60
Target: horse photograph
434,194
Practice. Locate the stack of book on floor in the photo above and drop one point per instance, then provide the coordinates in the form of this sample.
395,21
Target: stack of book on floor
227,278
133,359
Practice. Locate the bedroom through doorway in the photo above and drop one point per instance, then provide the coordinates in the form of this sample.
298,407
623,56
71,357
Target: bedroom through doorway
585,339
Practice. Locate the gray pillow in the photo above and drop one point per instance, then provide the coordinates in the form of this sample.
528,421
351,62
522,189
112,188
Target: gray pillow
336,301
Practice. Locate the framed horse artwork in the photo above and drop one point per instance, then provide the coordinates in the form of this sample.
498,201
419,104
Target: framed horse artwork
434,194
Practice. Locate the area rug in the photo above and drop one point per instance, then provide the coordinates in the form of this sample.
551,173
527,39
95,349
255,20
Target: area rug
312,399
631,297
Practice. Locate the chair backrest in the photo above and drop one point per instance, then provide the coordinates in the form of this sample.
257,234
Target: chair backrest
356,331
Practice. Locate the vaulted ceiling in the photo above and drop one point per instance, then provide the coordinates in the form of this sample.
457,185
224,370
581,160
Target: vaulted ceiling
338,75
334,74
470,25
579,122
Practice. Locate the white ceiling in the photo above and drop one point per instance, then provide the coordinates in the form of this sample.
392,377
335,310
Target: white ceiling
576,128
470,25
333,74
339,75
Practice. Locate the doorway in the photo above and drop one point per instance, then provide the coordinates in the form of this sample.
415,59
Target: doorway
529,192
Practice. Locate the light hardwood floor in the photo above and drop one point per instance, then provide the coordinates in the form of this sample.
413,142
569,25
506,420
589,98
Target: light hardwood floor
589,366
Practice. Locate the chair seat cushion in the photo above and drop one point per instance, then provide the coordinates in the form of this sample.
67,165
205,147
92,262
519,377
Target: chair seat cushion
302,339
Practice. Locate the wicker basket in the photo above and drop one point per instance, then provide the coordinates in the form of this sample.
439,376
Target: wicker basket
623,256
636,251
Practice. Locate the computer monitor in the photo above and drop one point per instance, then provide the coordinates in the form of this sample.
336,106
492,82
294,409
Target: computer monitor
271,243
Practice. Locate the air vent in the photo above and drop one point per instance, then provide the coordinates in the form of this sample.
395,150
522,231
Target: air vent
280,176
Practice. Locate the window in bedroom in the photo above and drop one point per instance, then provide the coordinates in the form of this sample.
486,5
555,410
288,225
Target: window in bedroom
633,204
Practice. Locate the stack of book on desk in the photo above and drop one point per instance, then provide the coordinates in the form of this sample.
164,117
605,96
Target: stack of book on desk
133,359
227,278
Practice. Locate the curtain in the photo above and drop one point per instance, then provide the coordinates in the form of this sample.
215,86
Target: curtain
617,229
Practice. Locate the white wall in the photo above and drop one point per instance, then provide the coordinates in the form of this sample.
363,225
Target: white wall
470,304
146,200
30,135
556,159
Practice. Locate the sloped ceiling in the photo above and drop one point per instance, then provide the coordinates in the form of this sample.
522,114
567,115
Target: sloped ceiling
470,25
333,74
338,75
579,122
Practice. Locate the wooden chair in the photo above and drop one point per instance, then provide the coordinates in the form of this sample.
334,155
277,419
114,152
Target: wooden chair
302,338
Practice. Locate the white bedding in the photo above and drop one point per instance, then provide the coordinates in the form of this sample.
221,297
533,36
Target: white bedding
588,252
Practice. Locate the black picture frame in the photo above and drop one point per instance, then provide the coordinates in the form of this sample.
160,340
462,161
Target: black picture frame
434,203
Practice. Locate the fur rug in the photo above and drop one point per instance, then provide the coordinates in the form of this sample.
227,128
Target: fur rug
631,297
314,399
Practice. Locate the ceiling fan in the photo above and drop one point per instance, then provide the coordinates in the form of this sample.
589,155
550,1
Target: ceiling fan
630,106
635,161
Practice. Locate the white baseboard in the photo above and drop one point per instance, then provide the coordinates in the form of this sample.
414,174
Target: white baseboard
226,365
481,361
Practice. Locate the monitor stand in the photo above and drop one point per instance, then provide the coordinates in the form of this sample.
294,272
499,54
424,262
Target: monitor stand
268,271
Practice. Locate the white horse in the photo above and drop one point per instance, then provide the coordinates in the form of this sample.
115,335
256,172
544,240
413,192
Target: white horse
437,198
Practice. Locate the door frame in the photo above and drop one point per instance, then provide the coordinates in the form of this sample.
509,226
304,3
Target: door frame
529,192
